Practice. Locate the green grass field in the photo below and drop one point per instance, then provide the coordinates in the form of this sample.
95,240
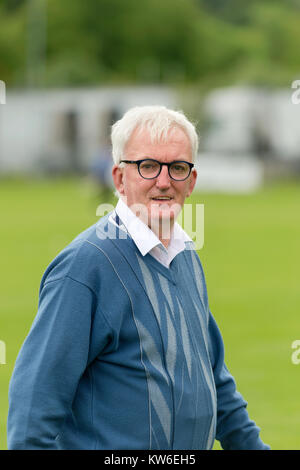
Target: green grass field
251,258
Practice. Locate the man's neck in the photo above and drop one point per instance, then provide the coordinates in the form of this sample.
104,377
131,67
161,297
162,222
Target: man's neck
163,230
161,227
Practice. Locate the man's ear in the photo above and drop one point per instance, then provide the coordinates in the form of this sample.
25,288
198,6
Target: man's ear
117,174
192,182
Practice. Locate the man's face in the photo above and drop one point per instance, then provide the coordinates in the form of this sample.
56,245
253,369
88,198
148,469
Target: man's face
159,195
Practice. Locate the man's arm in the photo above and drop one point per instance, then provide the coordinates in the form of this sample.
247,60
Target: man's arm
50,364
235,430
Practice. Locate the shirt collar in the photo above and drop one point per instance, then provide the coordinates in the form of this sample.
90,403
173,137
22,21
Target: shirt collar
144,238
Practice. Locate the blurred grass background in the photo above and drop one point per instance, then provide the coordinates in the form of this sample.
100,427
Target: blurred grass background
251,259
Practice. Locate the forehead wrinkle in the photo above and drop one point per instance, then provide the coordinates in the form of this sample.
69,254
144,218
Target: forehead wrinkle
156,136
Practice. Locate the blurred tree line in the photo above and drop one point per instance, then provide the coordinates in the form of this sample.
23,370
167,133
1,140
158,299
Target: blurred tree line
173,42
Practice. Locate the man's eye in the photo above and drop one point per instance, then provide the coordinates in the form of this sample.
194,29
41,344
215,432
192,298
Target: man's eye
149,166
178,167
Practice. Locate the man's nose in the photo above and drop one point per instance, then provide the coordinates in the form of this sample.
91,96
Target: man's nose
163,180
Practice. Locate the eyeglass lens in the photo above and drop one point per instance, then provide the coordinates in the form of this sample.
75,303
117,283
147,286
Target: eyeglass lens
151,169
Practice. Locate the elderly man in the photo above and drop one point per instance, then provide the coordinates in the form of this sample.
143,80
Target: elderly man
124,352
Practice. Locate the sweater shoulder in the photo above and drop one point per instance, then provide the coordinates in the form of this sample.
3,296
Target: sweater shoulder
82,259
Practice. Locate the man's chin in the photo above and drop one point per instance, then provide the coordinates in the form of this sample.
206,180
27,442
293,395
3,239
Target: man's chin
162,214
161,219
164,211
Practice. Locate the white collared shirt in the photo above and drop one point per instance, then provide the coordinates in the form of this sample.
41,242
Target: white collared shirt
146,240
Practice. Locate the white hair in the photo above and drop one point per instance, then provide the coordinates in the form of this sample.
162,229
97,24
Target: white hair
158,120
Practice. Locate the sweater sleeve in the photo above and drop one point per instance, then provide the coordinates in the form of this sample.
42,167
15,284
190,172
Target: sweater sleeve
50,364
235,430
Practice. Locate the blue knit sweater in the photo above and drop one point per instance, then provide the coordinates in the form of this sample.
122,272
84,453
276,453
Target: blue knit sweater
124,354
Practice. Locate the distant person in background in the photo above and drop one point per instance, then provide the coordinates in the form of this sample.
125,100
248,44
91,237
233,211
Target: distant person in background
100,172
124,352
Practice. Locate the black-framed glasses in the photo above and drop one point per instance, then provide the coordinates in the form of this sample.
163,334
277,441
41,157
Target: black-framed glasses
148,168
